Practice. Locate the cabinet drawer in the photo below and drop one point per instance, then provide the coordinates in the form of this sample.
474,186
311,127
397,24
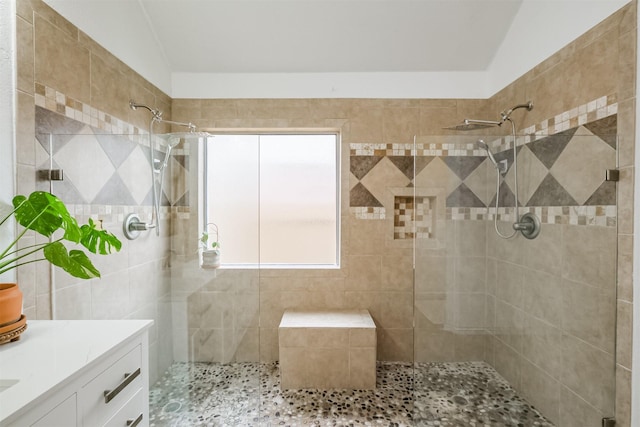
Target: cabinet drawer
63,415
131,414
103,396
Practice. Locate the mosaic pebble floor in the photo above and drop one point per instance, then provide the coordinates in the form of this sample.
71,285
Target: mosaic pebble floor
248,394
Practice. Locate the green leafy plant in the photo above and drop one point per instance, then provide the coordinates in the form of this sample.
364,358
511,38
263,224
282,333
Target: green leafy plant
205,236
204,240
46,214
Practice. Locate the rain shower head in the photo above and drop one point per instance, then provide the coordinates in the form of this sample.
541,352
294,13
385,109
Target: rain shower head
174,138
473,124
159,166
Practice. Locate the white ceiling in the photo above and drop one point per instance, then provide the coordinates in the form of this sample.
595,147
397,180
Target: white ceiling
330,36
227,48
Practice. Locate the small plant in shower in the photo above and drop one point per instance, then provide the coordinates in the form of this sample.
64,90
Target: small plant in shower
210,247
45,214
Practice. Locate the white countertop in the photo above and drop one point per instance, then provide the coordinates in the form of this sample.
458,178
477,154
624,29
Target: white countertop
50,351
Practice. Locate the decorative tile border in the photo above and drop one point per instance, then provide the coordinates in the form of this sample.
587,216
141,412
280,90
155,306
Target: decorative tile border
593,110
459,214
602,107
603,216
368,212
596,109
589,112
419,149
71,108
114,214
60,103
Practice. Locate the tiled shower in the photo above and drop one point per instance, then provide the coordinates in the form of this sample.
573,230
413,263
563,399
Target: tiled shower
543,312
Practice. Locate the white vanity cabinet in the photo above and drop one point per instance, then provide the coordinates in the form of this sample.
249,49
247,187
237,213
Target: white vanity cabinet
76,373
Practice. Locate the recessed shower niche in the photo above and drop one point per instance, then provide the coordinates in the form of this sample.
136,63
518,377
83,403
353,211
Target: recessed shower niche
418,215
413,217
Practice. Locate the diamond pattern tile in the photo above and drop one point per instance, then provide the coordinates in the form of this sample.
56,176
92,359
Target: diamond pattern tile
116,147
463,165
581,166
438,175
507,198
551,193
362,165
404,164
62,128
505,155
136,175
564,169
359,196
182,160
604,195
531,172
549,149
353,181
65,190
481,182
421,162
464,197
85,164
385,174
101,167
605,129
42,156
115,192
410,165
148,199
179,185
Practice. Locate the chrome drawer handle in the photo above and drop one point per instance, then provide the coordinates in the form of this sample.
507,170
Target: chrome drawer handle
110,394
134,423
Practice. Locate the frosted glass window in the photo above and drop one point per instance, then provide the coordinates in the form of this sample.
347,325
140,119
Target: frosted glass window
274,198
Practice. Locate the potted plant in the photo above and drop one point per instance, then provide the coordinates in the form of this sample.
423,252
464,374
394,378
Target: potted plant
47,215
210,250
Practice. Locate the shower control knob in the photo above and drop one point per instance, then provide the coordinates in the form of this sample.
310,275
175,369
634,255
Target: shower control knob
529,225
133,226
141,226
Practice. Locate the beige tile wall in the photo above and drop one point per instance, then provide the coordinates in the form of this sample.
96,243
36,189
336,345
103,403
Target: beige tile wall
55,54
554,324
375,273
567,361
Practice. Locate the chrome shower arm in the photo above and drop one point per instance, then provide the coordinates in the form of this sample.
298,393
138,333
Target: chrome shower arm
189,125
157,114
507,113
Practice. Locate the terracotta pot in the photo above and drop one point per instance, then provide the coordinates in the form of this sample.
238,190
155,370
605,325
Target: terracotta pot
10,303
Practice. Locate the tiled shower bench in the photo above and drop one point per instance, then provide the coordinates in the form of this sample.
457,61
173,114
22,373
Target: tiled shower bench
333,349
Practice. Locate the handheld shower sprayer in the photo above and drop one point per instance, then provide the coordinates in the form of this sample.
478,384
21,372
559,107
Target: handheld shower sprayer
528,224
480,143
133,225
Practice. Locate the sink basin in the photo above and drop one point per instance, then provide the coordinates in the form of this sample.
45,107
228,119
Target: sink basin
7,384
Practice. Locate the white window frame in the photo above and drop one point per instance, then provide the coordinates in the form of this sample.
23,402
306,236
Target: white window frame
203,194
